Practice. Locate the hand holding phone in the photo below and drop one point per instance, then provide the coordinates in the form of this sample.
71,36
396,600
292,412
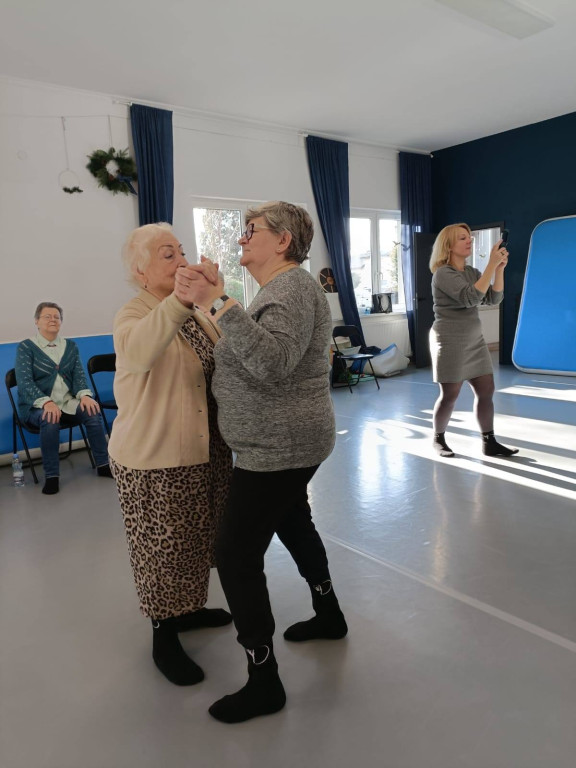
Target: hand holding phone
504,236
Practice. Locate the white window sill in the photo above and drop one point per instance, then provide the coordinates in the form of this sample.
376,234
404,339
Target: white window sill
383,316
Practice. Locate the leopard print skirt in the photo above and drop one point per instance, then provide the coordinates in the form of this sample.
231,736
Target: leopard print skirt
172,515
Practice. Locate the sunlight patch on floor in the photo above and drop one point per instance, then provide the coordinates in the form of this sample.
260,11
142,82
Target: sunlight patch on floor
523,470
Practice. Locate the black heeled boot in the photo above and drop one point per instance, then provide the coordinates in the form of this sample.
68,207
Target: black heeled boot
263,694
491,447
441,447
329,622
170,657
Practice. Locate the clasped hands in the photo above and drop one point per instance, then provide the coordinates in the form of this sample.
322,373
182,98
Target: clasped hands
52,413
198,284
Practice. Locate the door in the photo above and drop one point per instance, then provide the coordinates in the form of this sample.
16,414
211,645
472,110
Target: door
423,308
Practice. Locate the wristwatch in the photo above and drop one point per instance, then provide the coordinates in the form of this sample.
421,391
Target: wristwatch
217,304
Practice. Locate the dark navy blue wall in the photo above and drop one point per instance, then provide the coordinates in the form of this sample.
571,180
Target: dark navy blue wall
88,346
520,177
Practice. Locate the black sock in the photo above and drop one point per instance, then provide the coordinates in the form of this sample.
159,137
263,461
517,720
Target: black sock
170,657
491,447
263,694
204,617
51,485
329,622
440,445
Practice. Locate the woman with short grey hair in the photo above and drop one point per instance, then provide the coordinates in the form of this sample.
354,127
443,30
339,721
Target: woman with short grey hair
275,412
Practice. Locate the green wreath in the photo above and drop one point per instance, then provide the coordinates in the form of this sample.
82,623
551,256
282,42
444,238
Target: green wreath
114,170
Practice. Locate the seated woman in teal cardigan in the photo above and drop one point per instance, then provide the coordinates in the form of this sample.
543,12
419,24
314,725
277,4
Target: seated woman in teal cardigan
52,391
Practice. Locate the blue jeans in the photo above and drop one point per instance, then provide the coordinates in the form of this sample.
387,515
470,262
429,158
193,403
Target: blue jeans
50,437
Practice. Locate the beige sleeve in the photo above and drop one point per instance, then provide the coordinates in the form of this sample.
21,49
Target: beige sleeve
141,336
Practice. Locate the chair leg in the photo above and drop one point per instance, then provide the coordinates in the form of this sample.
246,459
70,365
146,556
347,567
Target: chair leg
105,420
25,444
87,444
349,379
373,374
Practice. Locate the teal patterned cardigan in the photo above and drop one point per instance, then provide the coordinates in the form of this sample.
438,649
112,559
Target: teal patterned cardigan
36,373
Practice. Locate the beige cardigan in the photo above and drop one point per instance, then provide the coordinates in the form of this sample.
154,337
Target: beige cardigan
159,386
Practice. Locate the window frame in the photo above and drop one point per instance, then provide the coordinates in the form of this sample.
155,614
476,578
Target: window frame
241,204
375,215
251,287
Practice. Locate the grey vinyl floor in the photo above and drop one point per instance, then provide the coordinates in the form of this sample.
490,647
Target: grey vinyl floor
457,577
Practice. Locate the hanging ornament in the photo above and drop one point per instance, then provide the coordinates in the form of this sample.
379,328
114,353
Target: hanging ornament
67,179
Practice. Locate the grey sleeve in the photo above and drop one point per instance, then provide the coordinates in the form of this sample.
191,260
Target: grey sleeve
493,297
455,285
270,345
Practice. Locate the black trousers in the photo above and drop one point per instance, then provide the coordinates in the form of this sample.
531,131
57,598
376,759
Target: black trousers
260,505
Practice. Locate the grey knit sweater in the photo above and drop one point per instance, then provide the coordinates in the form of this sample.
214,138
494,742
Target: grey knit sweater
271,380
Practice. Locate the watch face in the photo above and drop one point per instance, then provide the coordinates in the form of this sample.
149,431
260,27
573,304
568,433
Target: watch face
217,304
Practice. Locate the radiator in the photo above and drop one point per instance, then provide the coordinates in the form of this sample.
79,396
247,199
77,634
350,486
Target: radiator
383,330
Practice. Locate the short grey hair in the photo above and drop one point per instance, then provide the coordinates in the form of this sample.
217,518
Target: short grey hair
286,217
50,304
136,253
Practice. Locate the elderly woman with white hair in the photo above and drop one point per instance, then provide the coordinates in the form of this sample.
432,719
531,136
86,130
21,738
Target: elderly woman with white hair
171,466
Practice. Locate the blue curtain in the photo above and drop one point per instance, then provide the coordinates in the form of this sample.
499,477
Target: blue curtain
415,216
154,151
328,164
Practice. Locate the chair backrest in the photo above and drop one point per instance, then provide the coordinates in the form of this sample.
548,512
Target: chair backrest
98,363
10,379
349,331
11,384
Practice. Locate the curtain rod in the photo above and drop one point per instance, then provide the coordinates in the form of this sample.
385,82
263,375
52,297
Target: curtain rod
272,126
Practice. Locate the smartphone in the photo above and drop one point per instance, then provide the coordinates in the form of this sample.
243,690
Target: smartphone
504,236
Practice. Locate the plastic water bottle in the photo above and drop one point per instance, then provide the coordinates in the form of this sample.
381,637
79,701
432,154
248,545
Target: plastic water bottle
17,472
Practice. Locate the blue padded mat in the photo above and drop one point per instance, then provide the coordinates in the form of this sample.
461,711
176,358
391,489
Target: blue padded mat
545,339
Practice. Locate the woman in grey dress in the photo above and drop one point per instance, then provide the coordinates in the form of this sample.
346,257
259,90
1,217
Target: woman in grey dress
459,352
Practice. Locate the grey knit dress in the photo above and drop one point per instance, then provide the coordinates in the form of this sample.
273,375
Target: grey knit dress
457,346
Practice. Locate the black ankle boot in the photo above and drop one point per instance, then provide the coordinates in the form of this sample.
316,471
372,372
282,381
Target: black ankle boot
491,447
263,694
329,622
170,657
441,447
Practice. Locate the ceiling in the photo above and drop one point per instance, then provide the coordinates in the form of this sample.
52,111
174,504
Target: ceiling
413,74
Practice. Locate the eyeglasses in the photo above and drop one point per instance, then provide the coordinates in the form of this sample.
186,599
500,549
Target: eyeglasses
249,231
51,317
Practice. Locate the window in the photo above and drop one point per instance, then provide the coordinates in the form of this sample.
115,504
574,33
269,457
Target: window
484,240
217,229
218,225
375,258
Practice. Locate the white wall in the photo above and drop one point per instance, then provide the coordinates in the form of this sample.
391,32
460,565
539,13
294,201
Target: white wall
66,248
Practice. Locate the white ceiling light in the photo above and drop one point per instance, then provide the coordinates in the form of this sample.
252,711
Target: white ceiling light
509,16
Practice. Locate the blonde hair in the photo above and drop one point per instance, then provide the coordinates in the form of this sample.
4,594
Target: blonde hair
444,244
136,251
286,217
